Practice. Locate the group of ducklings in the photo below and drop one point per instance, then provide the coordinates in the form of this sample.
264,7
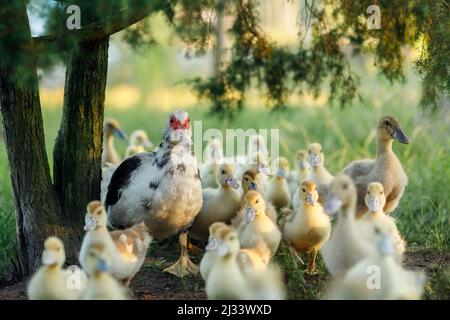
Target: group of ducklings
109,261
247,213
344,218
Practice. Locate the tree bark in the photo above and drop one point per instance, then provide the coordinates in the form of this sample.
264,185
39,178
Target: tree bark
78,149
38,213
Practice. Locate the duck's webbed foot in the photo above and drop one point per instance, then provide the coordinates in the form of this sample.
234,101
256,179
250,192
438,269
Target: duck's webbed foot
184,266
312,269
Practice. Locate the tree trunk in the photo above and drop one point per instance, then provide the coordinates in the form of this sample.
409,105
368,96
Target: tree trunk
38,213
78,149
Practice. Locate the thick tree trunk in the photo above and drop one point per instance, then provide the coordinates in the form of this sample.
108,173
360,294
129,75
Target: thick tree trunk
38,213
78,149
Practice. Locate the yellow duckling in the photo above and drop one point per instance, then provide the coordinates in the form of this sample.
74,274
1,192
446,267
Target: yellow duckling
213,158
102,285
51,282
139,141
319,174
301,174
346,246
226,280
375,200
252,181
127,248
259,162
111,129
218,204
257,225
379,276
308,228
210,255
277,191
386,168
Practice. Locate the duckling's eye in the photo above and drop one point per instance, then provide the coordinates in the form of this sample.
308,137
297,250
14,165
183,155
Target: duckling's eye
345,186
304,190
257,201
91,254
386,123
309,151
223,172
232,238
245,179
381,192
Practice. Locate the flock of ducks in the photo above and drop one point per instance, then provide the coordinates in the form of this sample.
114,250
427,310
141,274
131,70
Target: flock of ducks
243,214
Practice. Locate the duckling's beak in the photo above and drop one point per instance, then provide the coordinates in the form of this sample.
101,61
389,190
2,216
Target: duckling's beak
120,134
222,249
48,258
332,205
90,224
400,136
212,244
263,169
232,182
148,144
374,204
102,265
309,199
252,186
314,160
250,215
302,164
281,173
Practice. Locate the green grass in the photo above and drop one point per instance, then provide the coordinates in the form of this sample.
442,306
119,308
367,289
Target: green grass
346,134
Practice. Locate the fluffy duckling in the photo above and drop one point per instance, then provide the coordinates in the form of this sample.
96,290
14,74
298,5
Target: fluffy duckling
252,181
259,162
257,225
386,168
308,228
346,246
302,172
213,158
111,129
127,247
102,285
225,279
393,282
277,191
138,142
210,255
51,282
319,174
375,200
218,204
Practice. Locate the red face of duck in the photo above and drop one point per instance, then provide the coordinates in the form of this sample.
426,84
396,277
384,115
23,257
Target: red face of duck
180,120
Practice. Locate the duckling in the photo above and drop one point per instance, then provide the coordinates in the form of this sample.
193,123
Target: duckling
250,260
277,191
256,161
210,255
218,204
213,158
375,200
301,174
252,180
386,168
127,247
319,174
102,285
392,282
225,279
257,225
51,282
346,246
308,228
138,142
111,129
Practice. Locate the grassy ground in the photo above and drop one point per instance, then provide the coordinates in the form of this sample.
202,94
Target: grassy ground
346,134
